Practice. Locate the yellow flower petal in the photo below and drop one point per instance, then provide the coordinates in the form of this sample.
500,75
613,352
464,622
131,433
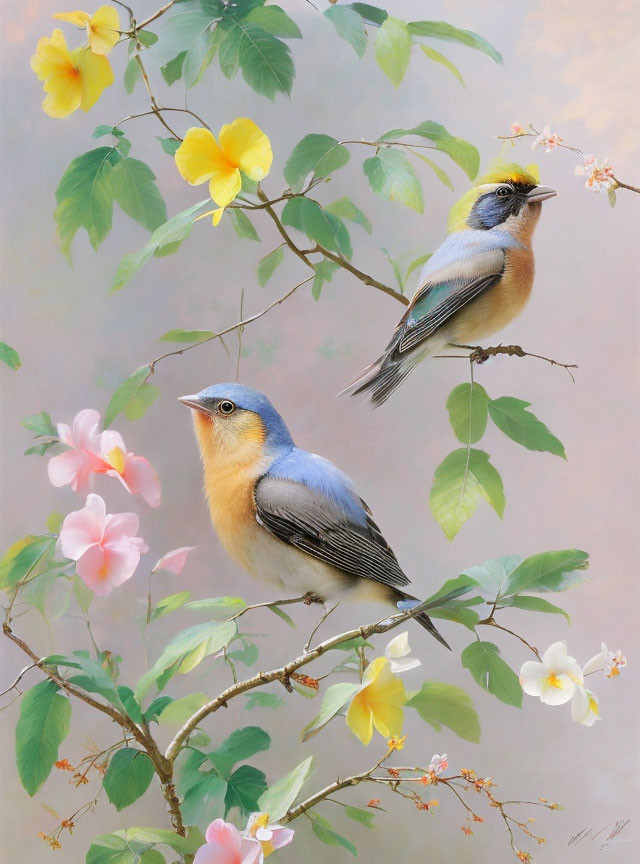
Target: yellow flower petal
225,185
359,719
104,29
63,96
247,147
198,158
52,55
95,73
217,216
80,19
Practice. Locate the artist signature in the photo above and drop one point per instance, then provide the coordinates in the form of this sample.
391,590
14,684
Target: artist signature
613,837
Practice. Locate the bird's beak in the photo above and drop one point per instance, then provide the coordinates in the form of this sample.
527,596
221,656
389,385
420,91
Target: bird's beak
192,402
540,193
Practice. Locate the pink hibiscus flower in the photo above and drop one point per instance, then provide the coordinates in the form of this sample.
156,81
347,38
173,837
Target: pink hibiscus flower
271,837
226,845
103,545
74,466
134,472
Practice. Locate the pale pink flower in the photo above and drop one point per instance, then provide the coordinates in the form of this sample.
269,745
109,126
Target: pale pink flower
517,129
174,561
270,837
226,845
599,174
103,545
547,139
74,466
439,764
134,472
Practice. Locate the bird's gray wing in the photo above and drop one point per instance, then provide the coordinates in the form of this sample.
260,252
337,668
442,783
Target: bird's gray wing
315,524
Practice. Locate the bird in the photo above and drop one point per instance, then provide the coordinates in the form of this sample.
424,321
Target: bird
473,285
289,517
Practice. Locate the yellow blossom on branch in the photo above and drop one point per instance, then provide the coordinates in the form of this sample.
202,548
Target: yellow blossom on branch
103,27
241,147
72,79
378,703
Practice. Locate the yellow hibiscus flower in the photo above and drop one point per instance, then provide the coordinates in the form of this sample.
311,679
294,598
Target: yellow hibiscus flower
242,147
378,703
103,27
72,79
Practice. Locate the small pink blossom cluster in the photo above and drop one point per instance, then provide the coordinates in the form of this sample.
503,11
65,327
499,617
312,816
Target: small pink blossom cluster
438,764
599,174
226,845
547,139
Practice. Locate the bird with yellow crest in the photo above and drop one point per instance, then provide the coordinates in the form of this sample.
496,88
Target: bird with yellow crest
474,284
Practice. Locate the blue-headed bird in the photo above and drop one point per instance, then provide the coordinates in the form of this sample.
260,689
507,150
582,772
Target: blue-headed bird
474,284
287,516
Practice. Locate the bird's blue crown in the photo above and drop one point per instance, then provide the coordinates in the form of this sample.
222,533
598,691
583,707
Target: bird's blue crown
248,399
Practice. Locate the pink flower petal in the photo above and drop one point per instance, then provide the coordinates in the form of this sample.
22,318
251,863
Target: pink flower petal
140,477
82,529
175,560
224,833
85,430
109,440
121,559
281,837
92,569
119,525
64,433
67,467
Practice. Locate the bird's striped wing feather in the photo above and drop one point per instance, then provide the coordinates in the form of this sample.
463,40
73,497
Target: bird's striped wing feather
314,524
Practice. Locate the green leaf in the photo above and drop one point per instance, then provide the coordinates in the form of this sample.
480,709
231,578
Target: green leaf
131,75
130,703
265,60
244,788
178,711
268,265
324,273
194,336
490,671
391,176
319,225
240,745
452,609
169,604
370,13
40,424
274,20
40,449
110,849
85,197
199,56
133,186
460,480
418,262
187,649
128,777
511,416
156,707
443,704
10,356
242,225
491,576
468,411
344,207
133,397
611,195
152,856
133,845
172,71
315,155
280,613
279,797
202,798
258,699
22,557
174,231
364,817
323,830
462,152
146,38
393,49
348,25
42,726
437,57
335,697
534,604
103,129
437,170
247,655
548,571
217,607
448,33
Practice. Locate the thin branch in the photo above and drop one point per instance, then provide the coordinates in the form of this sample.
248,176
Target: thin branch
491,622
480,355
161,110
249,320
20,675
154,105
155,15
622,185
307,599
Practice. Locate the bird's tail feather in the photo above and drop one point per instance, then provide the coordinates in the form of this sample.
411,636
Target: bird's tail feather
423,619
382,378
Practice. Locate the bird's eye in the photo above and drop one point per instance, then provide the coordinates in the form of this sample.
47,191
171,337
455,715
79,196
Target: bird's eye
503,191
226,407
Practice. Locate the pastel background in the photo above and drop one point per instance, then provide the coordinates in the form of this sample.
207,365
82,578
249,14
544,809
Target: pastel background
569,64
